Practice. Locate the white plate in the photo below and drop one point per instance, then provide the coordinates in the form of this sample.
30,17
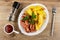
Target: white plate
43,26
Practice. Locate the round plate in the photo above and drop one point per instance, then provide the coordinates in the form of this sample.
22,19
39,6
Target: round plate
43,26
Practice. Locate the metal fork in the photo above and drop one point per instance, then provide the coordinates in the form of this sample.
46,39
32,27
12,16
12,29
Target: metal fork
52,23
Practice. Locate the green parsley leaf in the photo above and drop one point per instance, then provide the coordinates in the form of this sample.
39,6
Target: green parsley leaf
25,18
33,15
31,21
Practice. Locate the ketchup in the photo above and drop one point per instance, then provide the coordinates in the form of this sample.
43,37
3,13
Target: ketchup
8,28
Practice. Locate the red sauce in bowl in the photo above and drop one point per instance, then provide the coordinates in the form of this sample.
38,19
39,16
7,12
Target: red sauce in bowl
8,28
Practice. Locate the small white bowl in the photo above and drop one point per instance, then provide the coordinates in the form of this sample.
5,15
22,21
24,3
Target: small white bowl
43,26
11,31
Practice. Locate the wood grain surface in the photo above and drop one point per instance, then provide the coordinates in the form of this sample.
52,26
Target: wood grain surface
5,9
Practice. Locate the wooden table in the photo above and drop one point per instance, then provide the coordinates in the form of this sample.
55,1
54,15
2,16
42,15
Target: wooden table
5,8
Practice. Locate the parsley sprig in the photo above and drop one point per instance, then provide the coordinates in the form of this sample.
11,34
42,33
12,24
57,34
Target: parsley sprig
31,19
25,18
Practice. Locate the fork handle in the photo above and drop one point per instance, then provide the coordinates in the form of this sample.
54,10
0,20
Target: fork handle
52,24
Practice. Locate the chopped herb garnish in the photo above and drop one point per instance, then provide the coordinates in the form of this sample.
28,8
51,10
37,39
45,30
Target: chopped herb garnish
25,18
30,18
33,15
31,21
